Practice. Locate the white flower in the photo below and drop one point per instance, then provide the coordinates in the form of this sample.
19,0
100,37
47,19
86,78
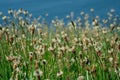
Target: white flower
92,10
53,22
118,28
112,10
67,16
54,40
73,60
82,13
20,11
110,51
80,78
38,72
4,18
60,73
47,79
50,49
10,11
104,21
75,39
111,59
63,48
25,12
44,61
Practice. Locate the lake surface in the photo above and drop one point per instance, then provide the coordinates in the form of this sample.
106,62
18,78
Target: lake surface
61,8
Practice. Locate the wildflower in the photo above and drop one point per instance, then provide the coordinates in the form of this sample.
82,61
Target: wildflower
104,31
22,23
92,10
93,69
82,13
31,55
20,11
72,49
104,21
10,11
67,16
97,17
53,21
39,31
18,70
32,28
15,65
62,49
72,60
36,64
111,59
86,16
80,78
23,36
16,77
112,10
38,73
86,61
47,79
50,49
110,51
25,12
76,40
60,73
112,26
30,15
118,28
11,39
109,14
95,22
4,18
44,61
54,40
15,14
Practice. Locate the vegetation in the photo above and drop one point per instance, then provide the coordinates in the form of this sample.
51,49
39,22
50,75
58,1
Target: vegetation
79,50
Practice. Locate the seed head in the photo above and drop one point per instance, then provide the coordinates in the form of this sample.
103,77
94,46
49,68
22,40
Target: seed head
60,73
4,18
92,10
80,78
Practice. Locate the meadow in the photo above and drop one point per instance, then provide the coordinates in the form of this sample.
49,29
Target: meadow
84,48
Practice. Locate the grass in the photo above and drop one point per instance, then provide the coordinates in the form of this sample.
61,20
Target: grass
30,50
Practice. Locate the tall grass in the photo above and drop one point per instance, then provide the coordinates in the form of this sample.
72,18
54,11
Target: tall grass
80,50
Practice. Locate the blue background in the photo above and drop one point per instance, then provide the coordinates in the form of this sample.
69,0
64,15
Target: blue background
61,8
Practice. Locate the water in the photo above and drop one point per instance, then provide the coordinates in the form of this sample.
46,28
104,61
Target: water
61,8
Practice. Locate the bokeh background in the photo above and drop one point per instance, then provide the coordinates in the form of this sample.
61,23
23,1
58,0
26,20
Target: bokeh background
61,8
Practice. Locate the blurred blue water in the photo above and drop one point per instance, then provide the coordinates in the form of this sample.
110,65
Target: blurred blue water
61,7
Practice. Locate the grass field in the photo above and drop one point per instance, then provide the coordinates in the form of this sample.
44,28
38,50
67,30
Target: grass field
80,50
